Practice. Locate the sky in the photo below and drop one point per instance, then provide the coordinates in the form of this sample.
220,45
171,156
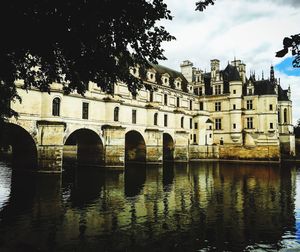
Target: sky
249,30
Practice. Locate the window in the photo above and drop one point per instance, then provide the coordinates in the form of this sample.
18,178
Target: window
234,126
249,122
196,125
195,138
285,115
191,123
191,137
250,92
165,99
151,96
116,114
210,135
249,104
191,105
217,106
234,91
85,110
271,107
178,102
166,120
234,107
210,127
200,105
218,89
134,96
271,125
182,122
200,91
134,116
155,118
218,124
56,107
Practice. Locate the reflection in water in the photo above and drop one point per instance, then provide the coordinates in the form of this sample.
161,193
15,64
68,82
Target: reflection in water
197,206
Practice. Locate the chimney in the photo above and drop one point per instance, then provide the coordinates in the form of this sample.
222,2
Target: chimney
187,70
214,68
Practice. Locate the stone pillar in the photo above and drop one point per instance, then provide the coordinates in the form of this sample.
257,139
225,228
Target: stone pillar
181,153
114,146
154,148
50,146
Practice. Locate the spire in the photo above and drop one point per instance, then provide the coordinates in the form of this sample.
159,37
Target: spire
262,74
272,75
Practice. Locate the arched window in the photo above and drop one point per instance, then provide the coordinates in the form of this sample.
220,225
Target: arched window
285,115
116,114
155,118
56,107
182,122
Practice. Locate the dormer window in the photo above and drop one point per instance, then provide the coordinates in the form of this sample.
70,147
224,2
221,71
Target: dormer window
250,91
151,76
165,79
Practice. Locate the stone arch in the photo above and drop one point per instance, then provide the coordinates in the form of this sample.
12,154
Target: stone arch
85,146
17,141
168,147
135,147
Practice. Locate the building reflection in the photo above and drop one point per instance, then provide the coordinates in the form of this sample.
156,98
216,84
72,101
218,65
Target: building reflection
174,207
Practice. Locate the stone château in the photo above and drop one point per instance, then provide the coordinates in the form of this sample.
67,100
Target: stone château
183,116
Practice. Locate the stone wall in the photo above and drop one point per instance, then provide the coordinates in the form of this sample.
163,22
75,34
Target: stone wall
259,153
203,152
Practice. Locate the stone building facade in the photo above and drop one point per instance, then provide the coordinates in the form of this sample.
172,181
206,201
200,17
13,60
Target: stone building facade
181,116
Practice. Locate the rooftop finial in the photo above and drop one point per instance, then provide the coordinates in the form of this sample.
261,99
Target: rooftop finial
262,74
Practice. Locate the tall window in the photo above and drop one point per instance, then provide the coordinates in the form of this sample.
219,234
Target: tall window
218,123
249,122
165,99
116,114
182,122
201,105
217,106
271,125
249,104
234,106
271,107
200,91
218,89
285,115
134,116
195,138
151,96
191,105
196,125
165,120
234,126
178,102
56,107
85,110
155,118
191,123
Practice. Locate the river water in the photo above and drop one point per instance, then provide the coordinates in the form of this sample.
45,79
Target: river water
175,207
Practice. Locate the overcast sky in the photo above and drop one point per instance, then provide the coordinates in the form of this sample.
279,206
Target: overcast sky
250,30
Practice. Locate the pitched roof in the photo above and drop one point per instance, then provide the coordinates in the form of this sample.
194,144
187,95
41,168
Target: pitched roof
264,87
282,94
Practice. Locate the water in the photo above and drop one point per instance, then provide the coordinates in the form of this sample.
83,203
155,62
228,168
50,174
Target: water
178,207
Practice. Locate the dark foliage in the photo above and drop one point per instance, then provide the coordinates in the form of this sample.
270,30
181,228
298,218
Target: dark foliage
74,42
297,129
201,5
292,43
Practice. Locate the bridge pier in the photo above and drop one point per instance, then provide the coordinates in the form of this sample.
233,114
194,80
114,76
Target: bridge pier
114,146
50,146
181,152
154,146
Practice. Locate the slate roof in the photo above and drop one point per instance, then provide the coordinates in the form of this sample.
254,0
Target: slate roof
264,87
282,94
174,74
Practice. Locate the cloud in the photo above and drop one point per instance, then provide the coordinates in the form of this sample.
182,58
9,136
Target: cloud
250,30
